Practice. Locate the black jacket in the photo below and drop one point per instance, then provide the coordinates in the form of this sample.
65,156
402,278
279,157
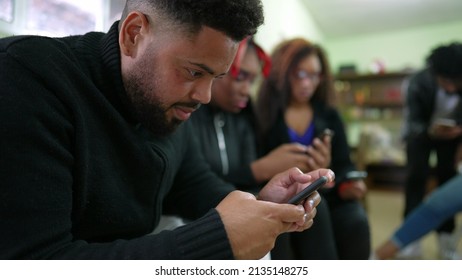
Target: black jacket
80,178
420,94
231,161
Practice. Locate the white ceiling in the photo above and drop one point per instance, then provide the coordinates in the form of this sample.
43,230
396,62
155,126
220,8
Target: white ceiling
338,18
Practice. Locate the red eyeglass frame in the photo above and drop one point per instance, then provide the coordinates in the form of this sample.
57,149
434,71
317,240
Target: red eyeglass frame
262,56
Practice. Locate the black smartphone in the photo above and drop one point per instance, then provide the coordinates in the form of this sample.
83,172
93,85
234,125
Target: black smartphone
326,132
356,175
306,192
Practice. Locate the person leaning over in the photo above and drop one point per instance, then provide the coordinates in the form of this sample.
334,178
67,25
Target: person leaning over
94,137
433,125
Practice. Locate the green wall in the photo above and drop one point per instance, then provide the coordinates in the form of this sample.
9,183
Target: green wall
284,20
401,49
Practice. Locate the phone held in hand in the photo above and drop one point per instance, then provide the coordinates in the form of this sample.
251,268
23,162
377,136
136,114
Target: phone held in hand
445,122
326,132
356,175
306,192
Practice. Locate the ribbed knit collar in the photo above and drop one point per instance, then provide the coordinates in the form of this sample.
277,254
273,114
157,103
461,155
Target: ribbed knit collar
112,73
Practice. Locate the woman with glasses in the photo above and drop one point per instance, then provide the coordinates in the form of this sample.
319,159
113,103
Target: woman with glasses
295,105
227,135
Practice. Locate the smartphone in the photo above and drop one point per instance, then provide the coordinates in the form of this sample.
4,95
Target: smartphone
306,192
326,132
356,175
445,122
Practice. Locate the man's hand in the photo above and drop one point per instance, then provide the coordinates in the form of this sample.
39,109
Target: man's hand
439,131
253,225
285,185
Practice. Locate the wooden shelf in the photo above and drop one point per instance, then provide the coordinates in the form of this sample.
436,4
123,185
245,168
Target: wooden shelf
382,104
371,77
381,90
371,100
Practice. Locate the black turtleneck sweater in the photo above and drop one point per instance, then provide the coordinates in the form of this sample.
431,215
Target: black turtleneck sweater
79,177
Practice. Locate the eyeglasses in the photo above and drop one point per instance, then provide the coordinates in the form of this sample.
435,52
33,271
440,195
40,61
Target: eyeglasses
262,56
244,76
302,75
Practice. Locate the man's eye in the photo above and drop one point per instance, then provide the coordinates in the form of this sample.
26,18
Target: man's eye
194,73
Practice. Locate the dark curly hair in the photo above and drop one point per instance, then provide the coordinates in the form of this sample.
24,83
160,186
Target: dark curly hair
446,61
236,18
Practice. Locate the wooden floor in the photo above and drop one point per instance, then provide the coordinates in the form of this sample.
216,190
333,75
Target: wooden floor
385,208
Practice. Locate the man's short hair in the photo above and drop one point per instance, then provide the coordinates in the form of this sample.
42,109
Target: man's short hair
236,18
446,61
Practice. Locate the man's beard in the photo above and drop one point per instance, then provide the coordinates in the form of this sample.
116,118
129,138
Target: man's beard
149,111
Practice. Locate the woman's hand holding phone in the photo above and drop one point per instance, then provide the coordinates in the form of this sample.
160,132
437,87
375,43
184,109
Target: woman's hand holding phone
320,150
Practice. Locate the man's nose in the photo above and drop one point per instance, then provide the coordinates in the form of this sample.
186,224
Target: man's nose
202,92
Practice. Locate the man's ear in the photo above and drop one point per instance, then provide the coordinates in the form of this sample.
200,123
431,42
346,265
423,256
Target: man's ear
132,32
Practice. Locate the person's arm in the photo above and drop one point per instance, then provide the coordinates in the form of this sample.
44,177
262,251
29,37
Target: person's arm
278,154
419,91
263,168
279,159
41,209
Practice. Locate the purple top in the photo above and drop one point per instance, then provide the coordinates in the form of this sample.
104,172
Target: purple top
304,139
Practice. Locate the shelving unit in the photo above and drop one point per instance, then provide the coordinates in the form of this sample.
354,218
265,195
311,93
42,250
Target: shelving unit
372,108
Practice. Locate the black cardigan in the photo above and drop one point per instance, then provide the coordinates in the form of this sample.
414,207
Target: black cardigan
79,177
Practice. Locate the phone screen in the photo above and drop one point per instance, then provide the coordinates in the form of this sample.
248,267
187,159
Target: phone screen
356,175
